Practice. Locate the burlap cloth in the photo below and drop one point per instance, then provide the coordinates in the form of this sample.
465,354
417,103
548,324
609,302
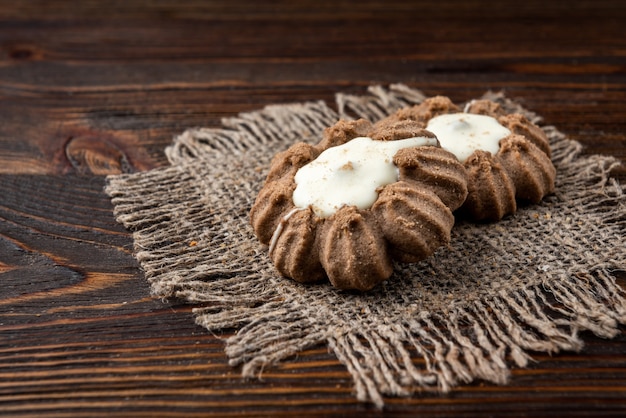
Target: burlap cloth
500,291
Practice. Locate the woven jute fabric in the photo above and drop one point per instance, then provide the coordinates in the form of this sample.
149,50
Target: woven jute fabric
529,283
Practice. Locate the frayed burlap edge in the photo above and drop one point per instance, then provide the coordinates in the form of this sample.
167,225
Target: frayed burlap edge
194,245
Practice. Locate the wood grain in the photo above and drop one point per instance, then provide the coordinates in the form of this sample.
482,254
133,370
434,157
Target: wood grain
91,88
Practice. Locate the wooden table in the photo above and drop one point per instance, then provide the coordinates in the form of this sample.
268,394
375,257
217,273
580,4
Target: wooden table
88,89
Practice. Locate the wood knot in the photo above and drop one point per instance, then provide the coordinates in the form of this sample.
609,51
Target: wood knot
93,155
23,52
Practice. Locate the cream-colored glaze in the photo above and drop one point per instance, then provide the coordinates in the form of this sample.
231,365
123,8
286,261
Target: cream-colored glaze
279,228
350,174
463,133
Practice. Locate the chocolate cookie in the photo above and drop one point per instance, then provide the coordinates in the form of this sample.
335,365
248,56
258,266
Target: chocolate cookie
343,209
507,156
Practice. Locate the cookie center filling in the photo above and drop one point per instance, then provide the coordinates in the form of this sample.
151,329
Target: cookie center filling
350,174
464,133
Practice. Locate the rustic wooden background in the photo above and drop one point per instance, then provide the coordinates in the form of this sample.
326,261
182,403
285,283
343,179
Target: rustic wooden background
92,87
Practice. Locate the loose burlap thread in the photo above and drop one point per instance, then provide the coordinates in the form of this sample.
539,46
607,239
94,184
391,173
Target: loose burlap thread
500,291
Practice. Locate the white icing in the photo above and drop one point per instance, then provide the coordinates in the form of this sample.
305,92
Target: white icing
350,174
279,229
463,133
468,105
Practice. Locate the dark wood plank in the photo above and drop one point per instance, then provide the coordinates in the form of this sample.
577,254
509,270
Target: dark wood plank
90,88
163,68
